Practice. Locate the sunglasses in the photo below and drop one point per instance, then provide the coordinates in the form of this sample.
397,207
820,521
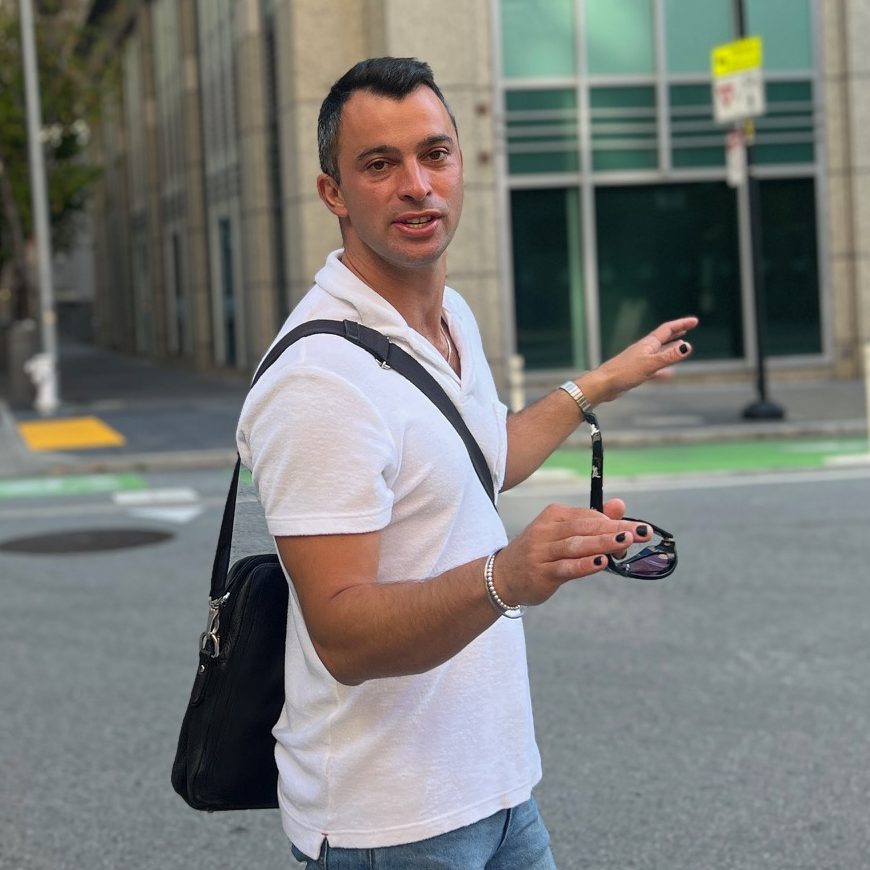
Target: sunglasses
650,560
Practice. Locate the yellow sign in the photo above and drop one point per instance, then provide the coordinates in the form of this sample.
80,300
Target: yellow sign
733,57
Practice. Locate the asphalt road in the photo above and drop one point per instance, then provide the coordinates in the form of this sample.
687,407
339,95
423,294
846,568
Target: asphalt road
720,719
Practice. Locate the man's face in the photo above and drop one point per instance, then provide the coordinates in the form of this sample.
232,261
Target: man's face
400,194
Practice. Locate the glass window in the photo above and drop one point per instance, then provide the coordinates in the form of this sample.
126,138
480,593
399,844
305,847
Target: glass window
785,131
696,139
692,29
542,131
785,27
548,278
791,271
538,38
665,251
624,132
619,37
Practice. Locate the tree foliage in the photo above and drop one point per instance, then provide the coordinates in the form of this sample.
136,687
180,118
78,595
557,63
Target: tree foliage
69,103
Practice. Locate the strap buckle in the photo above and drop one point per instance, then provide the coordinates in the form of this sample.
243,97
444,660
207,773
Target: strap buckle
377,344
210,636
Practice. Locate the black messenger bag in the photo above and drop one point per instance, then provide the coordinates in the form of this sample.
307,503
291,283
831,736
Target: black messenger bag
225,758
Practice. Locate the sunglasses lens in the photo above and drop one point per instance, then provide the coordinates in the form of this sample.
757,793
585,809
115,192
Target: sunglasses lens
648,560
649,566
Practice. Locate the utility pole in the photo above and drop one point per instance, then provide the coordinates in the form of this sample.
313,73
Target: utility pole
42,368
762,408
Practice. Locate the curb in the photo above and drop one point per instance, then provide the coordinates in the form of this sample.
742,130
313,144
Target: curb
17,460
723,432
60,464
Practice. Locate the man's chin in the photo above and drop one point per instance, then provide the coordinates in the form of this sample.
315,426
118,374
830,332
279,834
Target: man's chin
416,256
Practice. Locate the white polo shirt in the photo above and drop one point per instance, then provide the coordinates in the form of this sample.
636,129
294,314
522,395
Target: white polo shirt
336,444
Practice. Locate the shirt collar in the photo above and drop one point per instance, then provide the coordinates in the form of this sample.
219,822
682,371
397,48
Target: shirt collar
373,310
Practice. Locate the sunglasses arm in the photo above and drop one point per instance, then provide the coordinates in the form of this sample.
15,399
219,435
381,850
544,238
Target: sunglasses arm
596,489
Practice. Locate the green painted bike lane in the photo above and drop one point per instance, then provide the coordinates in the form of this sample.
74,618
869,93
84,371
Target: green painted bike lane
79,484
73,484
757,455
763,455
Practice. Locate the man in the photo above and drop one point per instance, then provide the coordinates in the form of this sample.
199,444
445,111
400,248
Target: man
407,738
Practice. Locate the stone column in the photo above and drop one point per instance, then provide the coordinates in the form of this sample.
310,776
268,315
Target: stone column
104,299
856,31
320,40
119,331
457,44
198,289
257,224
145,24
317,41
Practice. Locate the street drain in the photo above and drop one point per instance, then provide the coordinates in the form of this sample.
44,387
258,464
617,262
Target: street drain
84,541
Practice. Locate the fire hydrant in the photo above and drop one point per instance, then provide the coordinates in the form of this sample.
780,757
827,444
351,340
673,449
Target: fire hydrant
40,368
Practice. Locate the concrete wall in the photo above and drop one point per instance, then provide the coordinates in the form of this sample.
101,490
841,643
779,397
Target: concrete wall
857,33
317,41
845,99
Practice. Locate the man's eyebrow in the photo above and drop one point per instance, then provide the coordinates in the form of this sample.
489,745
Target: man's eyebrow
391,150
438,139
376,150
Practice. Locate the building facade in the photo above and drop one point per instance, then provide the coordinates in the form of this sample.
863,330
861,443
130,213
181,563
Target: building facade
598,198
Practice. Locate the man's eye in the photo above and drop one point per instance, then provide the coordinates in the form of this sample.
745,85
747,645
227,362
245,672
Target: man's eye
439,154
377,165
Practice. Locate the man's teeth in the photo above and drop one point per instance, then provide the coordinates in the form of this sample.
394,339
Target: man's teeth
419,220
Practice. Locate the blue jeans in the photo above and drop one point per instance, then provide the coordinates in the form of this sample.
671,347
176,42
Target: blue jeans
514,839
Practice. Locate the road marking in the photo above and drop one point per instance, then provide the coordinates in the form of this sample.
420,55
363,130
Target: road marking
72,433
179,504
856,459
158,495
674,420
831,445
168,513
725,480
85,484
81,509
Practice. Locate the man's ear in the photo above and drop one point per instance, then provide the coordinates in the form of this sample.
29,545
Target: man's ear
330,193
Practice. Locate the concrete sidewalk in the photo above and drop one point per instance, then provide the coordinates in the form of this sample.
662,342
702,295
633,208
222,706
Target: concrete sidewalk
169,417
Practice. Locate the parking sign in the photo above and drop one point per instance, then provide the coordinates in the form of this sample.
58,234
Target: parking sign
738,87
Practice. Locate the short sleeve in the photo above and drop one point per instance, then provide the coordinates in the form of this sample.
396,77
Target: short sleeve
320,453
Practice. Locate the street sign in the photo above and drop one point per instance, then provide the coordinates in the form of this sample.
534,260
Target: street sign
735,158
737,56
738,87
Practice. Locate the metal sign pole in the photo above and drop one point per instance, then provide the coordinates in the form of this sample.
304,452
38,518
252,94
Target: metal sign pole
43,367
762,408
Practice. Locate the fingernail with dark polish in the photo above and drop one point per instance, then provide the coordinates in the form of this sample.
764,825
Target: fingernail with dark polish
598,561
684,348
620,537
642,530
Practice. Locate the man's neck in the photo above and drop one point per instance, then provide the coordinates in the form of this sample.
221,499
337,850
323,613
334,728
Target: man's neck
417,294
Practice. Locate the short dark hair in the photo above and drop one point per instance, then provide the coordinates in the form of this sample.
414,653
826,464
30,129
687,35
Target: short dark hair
394,77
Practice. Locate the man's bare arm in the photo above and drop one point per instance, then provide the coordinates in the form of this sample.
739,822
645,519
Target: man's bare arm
363,629
536,431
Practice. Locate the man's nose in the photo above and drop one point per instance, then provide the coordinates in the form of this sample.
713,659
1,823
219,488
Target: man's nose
414,181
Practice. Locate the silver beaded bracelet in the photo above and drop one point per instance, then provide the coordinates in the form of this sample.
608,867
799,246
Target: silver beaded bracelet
511,611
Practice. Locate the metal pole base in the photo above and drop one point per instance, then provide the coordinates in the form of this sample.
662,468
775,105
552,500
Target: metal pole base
763,409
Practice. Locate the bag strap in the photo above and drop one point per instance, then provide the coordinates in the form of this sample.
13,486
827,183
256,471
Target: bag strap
390,356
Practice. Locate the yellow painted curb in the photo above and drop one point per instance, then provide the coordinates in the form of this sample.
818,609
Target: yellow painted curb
73,433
